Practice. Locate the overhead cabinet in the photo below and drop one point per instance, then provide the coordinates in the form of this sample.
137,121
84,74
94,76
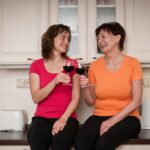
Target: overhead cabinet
83,16
22,24
138,29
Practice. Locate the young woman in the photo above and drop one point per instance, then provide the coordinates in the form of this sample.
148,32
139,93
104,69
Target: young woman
116,95
55,92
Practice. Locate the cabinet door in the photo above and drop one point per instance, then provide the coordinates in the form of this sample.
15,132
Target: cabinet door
100,11
125,147
11,147
83,16
142,147
21,26
138,29
74,14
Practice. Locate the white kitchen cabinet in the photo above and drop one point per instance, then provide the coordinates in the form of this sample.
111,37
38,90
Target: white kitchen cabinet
125,147
134,147
23,22
138,29
21,26
100,11
11,147
142,147
122,147
83,17
74,14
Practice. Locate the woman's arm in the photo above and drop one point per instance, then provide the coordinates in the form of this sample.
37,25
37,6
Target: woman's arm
60,123
75,98
38,94
88,95
137,91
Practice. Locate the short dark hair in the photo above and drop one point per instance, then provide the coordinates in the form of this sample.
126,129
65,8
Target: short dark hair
116,29
47,42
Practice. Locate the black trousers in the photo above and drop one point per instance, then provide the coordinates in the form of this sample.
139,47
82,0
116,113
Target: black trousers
40,137
89,138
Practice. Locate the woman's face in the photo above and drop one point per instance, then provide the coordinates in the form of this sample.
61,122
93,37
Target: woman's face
106,41
61,42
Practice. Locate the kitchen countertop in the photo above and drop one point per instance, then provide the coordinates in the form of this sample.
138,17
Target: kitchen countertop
19,138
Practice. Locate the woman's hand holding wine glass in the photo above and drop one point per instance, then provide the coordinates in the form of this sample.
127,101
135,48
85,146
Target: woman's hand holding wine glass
81,71
84,81
62,78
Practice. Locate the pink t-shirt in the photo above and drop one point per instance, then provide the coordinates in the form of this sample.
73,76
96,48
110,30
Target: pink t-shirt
58,100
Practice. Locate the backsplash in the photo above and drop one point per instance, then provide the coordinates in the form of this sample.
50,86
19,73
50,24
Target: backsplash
14,97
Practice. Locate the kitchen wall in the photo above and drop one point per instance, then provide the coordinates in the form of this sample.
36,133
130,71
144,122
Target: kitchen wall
13,98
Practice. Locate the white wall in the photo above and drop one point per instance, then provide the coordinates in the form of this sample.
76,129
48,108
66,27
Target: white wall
15,98
146,75
19,98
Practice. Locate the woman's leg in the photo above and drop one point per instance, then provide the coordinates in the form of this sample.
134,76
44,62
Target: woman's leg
118,134
39,134
89,133
65,138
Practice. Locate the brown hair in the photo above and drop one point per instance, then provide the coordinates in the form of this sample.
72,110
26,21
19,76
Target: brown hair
48,39
116,29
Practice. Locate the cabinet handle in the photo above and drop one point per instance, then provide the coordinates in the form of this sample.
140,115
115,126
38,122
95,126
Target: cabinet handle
78,58
30,59
94,57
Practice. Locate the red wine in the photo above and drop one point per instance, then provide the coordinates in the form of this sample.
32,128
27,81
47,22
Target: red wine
68,68
80,71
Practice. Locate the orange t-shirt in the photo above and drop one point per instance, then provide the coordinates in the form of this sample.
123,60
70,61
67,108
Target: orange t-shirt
113,88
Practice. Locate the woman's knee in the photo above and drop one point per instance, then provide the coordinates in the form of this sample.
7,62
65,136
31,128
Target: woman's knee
38,138
105,143
62,142
103,146
59,144
83,143
78,144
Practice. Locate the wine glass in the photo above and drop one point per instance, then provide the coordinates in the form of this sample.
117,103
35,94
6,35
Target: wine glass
82,71
68,68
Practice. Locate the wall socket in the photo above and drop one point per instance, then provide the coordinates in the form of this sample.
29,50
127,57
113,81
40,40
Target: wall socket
146,83
26,83
22,83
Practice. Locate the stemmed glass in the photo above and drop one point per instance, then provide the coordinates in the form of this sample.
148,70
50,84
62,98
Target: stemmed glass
82,71
68,68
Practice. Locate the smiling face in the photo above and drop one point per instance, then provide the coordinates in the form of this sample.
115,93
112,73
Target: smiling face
107,42
55,40
61,42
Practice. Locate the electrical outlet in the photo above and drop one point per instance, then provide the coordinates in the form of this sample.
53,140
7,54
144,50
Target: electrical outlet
146,83
20,83
26,83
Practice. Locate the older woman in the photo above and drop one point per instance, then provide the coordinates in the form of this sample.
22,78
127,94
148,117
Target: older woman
116,94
